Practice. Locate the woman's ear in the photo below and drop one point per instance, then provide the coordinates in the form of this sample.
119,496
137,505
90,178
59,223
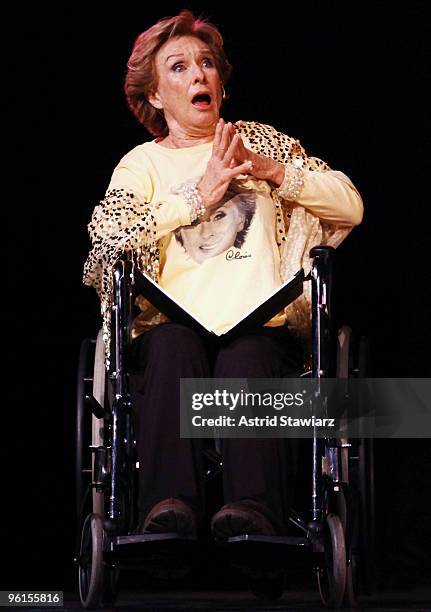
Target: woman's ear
154,100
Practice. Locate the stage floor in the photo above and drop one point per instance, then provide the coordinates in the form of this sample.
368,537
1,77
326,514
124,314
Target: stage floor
235,601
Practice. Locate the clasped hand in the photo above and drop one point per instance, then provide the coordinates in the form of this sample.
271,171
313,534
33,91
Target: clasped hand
229,159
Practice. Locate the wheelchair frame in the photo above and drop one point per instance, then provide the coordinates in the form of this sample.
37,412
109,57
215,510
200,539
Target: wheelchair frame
105,536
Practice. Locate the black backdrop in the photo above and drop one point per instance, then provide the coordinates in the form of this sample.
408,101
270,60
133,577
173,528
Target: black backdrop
349,80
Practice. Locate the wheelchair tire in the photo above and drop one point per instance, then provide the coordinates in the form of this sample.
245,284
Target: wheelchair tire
97,425
367,514
91,565
357,470
331,578
348,523
82,453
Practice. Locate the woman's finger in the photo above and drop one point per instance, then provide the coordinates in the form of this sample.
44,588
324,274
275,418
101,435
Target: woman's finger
225,140
244,168
217,137
230,153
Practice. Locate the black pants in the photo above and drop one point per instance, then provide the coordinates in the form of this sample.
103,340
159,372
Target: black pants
171,466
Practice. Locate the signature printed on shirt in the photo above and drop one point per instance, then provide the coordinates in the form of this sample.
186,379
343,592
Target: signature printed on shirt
232,254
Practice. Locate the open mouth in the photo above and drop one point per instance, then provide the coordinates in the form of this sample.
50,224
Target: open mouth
201,100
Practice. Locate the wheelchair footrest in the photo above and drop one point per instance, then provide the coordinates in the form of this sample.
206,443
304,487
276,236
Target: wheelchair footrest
147,537
152,549
269,552
286,540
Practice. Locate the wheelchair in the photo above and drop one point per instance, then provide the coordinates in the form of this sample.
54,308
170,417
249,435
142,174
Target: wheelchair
337,531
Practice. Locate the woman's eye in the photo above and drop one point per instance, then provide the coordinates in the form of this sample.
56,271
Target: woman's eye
219,215
207,62
177,67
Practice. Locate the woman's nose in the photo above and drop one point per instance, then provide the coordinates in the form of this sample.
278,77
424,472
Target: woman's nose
206,229
198,74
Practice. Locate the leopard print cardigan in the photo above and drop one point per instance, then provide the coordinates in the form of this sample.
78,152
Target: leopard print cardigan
121,222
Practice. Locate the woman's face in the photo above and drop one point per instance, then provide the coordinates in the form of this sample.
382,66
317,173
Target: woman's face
212,237
189,89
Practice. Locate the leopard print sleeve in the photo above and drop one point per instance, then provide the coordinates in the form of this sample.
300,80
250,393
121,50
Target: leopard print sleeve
266,140
297,229
121,222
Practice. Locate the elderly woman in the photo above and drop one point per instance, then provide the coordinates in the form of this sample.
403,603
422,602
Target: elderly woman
163,203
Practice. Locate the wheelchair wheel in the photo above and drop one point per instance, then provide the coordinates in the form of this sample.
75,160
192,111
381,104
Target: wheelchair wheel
349,522
364,472
89,429
367,515
91,565
97,425
357,462
331,578
83,457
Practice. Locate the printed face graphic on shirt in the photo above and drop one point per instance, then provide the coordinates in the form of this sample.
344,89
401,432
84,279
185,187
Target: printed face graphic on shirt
226,228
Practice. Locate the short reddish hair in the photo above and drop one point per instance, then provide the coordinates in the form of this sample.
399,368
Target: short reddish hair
141,76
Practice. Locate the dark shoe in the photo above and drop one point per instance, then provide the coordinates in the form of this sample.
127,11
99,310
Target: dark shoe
237,519
170,516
